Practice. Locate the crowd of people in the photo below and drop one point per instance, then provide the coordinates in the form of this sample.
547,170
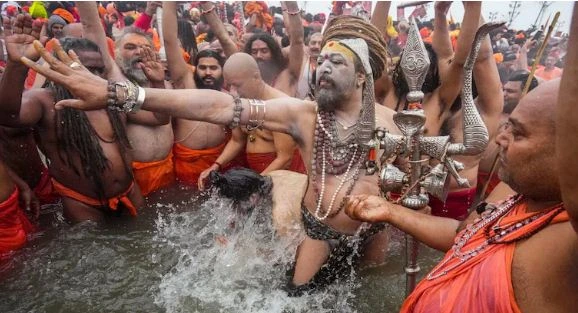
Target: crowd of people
103,104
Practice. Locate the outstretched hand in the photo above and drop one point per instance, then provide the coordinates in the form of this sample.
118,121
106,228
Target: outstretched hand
66,69
20,33
152,66
366,208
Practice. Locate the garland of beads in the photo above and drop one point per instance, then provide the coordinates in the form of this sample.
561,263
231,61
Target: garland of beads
486,222
324,139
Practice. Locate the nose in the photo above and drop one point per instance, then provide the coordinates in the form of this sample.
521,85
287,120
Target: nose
502,138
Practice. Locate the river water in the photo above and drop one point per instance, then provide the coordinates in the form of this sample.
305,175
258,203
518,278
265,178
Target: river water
184,253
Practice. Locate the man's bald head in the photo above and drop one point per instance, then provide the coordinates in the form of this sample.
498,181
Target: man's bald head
242,74
73,30
539,105
241,65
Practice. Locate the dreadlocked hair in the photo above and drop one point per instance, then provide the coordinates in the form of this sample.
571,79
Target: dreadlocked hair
431,82
76,136
347,26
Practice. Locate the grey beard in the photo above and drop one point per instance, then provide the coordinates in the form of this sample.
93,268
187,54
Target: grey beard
328,100
136,75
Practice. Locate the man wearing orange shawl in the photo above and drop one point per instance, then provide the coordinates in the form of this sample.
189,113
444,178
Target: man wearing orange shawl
517,256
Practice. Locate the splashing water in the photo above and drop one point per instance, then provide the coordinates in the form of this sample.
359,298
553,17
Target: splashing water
183,254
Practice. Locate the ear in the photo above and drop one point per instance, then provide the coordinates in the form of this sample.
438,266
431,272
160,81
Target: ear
360,79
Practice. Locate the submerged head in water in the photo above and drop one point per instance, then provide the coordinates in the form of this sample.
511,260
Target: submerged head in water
241,184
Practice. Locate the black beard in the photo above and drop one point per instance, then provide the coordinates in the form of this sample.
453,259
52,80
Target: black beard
201,84
269,71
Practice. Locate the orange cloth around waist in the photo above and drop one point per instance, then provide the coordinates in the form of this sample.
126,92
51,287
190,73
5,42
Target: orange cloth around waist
44,190
297,164
456,205
483,283
483,178
190,163
152,176
112,203
14,225
259,161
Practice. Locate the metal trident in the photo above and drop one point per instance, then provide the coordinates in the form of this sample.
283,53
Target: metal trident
418,181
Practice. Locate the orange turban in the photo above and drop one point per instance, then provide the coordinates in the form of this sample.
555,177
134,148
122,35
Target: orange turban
67,16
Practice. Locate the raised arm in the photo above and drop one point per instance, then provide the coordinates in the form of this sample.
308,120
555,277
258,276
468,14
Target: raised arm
92,30
522,60
379,16
181,75
296,48
16,109
567,126
490,100
451,80
441,41
218,28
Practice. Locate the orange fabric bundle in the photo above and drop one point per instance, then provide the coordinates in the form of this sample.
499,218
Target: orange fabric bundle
263,16
152,176
499,57
67,16
259,161
189,163
44,190
112,203
482,283
14,225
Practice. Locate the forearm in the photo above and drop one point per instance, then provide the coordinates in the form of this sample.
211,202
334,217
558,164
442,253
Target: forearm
522,60
233,148
441,41
12,87
567,126
379,16
217,26
467,32
175,62
490,98
193,104
435,232
296,47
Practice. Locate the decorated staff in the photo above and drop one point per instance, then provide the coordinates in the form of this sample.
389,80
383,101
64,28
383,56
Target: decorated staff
418,180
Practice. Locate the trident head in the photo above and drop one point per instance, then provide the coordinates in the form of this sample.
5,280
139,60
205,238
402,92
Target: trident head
414,63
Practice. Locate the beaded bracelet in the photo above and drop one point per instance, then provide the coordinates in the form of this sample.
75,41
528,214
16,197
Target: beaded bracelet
219,165
293,13
236,113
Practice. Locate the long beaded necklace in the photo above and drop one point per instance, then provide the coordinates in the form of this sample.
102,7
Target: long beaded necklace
344,156
494,233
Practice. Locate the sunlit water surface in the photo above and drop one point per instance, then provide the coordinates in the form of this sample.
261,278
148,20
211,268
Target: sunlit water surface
184,253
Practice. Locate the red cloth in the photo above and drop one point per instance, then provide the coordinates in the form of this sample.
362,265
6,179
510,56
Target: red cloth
456,205
152,176
481,284
44,190
260,161
143,21
14,225
297,164
112,203
483,178
189,163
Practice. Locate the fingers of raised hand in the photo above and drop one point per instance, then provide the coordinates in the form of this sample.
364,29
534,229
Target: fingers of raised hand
44,71
36,28
27,25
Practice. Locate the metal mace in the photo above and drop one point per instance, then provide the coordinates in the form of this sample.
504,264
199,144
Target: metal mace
420,179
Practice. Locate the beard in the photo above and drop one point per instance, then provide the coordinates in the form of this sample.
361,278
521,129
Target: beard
269,71
131,71
332,96
204,83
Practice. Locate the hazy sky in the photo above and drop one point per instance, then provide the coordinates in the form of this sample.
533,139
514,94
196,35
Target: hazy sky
528,11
